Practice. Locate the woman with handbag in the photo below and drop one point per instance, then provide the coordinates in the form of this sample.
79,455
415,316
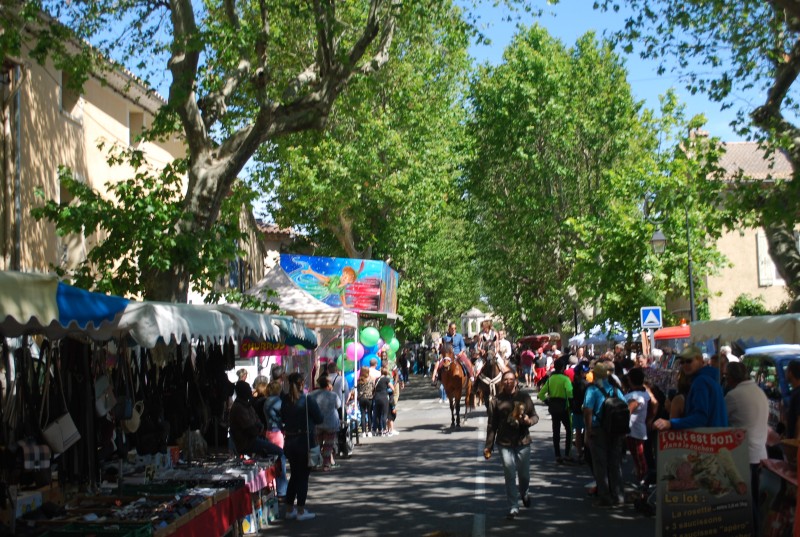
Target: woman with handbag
299,415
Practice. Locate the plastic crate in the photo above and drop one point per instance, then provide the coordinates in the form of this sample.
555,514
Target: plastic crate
102,530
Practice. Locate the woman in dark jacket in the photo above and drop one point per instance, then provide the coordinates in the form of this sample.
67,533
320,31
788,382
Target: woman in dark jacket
299,415
384,387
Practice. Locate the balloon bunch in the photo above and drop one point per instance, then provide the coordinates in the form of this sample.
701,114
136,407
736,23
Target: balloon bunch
372,341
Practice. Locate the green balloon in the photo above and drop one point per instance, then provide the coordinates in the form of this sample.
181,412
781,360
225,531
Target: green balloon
394,344
387,333
340,362
370,336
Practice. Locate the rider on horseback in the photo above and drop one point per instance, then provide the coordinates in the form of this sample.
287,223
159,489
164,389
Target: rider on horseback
456,342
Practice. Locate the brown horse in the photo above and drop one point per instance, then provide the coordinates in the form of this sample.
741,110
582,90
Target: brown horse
456,383
488,379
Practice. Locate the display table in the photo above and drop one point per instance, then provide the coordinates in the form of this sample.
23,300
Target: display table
198,500
779,499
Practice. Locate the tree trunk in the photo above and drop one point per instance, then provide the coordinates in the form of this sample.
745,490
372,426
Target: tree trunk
784,251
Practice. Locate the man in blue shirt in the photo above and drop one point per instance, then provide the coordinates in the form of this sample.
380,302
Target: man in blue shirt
705,402
456,342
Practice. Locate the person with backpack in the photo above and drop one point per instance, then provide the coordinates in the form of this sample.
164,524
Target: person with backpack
607,420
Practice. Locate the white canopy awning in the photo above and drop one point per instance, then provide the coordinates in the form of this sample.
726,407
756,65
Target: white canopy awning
250,323
149,322
300,304
749,331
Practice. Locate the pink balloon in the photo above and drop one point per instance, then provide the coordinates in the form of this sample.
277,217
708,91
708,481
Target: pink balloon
354,351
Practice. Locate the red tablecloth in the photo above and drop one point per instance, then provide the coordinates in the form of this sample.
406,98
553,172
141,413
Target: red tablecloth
217,519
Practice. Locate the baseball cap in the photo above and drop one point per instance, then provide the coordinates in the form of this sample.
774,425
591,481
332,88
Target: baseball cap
692,351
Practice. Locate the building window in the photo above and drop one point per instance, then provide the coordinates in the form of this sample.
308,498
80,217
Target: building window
71,103
135,127
767,272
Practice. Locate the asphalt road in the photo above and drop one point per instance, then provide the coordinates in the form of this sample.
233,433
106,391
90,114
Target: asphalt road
431,480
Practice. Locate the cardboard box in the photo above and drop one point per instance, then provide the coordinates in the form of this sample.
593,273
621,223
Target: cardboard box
27,501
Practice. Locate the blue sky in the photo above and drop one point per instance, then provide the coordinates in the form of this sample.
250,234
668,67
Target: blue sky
570,19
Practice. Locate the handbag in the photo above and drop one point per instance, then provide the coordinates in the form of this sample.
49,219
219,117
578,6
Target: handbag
132,425
314,452
62,433
123,409
314,457
104,399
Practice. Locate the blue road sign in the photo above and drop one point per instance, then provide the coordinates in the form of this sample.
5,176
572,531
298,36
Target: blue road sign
650,317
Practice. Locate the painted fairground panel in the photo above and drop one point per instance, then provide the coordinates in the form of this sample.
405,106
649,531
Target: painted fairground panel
355,284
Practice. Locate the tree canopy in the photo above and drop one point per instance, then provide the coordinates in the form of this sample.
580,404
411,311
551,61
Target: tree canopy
565,166
727,50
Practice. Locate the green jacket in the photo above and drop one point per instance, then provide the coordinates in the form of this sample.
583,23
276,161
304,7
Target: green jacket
558,386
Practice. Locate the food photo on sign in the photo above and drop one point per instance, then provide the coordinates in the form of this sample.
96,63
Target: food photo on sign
703,483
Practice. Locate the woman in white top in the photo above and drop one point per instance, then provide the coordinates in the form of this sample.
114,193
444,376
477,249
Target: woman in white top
638,403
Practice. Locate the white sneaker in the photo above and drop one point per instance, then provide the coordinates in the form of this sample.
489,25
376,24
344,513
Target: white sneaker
291,515
307,515
367,434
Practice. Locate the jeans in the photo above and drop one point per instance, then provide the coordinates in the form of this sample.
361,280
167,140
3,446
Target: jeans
296,449
442,393
366,413
516,466
265,447
607,464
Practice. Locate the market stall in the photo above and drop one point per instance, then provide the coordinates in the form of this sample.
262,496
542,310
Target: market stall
140,387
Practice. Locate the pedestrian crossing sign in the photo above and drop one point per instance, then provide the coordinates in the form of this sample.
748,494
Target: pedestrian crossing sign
650,317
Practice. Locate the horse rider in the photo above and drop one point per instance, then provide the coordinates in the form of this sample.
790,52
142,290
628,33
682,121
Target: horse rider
456,342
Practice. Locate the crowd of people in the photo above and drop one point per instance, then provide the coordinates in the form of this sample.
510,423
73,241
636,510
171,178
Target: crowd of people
604,405
609,406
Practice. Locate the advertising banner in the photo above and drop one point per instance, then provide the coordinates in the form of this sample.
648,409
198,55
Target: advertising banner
354,284
251,348
703,484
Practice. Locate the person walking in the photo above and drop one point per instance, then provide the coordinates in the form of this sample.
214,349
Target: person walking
605,447
299,415
557,394
526,360
511,414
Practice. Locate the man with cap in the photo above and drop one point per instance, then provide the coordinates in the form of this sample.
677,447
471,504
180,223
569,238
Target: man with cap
705,402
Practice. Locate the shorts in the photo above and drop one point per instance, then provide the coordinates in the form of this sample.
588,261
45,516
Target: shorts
526,369
577,421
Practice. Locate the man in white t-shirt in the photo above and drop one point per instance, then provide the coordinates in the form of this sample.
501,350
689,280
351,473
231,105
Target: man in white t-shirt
504,351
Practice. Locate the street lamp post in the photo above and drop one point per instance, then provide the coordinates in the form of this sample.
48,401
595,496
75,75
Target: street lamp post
692,310
659,244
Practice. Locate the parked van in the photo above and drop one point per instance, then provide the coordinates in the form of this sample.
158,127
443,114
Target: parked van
767,365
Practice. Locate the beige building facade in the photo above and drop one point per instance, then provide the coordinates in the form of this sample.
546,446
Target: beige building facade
46,125
751,269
